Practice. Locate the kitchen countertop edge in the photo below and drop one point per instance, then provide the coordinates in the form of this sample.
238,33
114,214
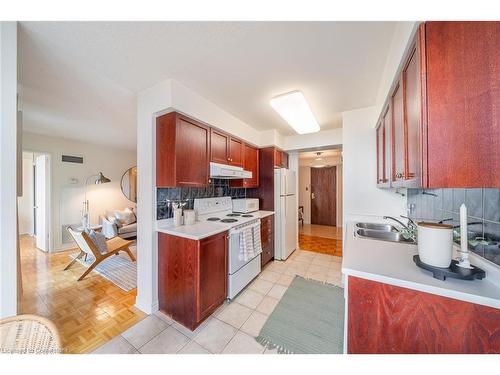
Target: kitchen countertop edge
417,278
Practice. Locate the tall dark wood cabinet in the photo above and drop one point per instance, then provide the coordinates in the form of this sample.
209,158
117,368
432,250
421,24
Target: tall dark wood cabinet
192,277
182,151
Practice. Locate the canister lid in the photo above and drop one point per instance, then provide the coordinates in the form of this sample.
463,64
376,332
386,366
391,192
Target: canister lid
434,225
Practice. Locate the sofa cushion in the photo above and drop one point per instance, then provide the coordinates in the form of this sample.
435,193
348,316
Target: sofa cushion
126,216
128,228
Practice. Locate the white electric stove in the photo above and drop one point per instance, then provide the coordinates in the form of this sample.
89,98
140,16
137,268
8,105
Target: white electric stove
219,211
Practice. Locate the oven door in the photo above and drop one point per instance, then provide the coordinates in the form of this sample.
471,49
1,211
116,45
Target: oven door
235,262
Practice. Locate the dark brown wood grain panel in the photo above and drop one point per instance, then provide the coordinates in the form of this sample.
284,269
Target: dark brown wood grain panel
323,195
219,147
463,103
386,319
165,143
250,163
213,274
265,191
236,152
267,238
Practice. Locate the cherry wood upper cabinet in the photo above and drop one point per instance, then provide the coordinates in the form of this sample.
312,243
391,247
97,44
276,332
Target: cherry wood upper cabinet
446,108
463,104
235,152
219,147
182,151
280,158
398,137
413,117
383,134
250,163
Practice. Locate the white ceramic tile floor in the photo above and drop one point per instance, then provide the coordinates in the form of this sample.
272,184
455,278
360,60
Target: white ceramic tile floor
234,326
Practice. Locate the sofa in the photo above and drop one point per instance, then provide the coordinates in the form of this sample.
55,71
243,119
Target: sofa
121,223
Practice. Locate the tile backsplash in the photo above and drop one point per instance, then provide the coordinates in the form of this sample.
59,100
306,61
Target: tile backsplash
483,210
217,188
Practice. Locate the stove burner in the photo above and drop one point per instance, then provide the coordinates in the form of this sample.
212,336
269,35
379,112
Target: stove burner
213,219
247,215
233,215
228,220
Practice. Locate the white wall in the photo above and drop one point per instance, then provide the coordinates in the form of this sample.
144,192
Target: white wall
8,174
321,139
402,36
305,192
26,201
361,195
67,180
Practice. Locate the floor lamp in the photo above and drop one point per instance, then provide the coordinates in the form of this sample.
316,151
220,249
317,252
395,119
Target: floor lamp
98,179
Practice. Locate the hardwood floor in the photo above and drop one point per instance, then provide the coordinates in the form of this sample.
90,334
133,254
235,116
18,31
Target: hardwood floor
316,230
87,313
321,239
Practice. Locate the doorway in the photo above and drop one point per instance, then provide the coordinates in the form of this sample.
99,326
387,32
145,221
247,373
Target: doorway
320,201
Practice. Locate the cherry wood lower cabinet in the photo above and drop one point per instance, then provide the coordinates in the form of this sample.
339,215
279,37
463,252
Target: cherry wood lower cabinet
386,319
192,277
267,238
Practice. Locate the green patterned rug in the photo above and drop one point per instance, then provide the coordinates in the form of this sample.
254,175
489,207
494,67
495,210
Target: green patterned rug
309,319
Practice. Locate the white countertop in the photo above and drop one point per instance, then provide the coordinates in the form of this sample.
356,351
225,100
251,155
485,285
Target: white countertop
392,263
201,229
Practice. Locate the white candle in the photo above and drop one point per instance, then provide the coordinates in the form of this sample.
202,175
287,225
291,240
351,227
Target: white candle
463,228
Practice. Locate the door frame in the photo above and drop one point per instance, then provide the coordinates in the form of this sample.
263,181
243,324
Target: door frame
48,196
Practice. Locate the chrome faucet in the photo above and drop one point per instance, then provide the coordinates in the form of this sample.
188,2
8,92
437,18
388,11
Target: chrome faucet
406,226
409,230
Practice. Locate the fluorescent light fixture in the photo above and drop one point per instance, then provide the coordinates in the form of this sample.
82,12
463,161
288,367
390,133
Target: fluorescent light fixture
293,108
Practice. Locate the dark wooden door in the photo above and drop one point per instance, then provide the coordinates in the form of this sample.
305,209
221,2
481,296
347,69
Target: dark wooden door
192,153
235,152
219,147
463,104
323,196
398,138
413,116
213,273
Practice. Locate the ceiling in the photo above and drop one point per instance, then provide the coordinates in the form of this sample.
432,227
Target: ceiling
330,157
79,79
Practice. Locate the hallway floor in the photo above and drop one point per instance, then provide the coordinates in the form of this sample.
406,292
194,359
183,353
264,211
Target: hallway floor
321,239
88,313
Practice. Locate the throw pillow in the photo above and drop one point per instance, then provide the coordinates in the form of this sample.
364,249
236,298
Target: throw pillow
99,241
125,217
114,220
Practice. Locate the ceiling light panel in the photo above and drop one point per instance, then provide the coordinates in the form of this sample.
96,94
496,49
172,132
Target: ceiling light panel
295,110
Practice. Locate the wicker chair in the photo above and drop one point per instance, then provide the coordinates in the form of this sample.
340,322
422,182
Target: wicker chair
29,334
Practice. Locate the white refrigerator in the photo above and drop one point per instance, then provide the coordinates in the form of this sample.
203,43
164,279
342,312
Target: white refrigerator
285,216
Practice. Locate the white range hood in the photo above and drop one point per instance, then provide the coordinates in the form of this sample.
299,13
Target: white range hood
228,172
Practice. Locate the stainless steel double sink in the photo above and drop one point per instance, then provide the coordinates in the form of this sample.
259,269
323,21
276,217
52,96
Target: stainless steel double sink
381,232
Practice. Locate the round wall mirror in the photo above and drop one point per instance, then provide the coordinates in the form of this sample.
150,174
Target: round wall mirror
129,184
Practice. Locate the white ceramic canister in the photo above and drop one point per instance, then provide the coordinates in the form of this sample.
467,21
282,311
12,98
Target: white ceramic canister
435,244
189,217
177,217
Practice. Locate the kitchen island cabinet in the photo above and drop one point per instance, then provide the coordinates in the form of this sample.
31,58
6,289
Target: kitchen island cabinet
386,319
192,276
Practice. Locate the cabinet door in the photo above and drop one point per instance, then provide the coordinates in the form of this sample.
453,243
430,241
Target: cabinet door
379,132
267,238
398,138
213,274
387,123
192,153
219,147
277,156
235,152
463,104
251,164
413,116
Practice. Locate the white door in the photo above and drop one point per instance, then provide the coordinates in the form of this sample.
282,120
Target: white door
290,235
41,199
